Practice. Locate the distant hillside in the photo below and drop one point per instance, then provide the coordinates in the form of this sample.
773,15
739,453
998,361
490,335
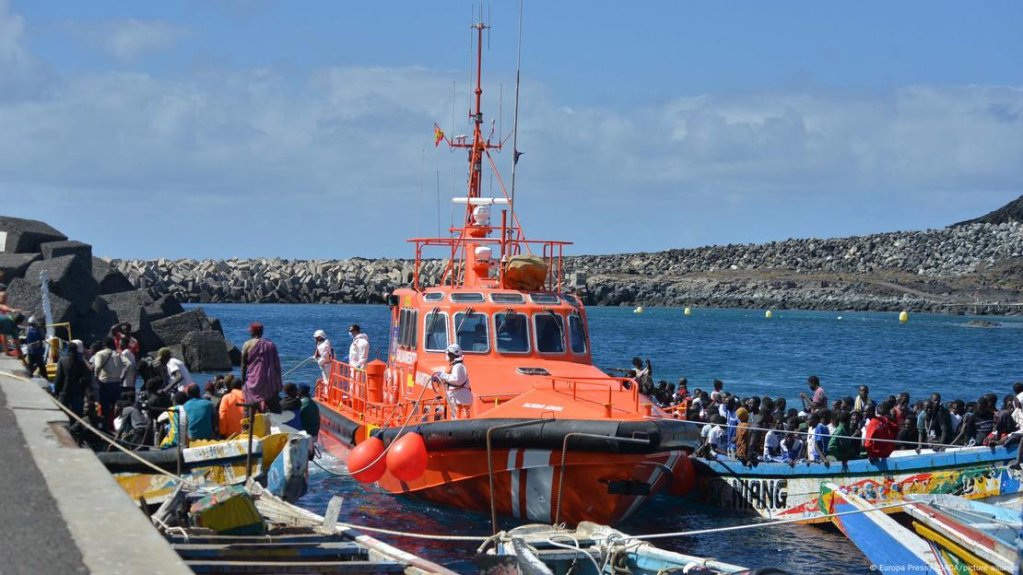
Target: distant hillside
1010,212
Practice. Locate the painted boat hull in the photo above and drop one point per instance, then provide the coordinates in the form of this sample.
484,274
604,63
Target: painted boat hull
776,490
530,481
969,537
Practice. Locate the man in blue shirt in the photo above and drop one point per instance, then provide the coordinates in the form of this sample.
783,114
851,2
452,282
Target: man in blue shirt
199,414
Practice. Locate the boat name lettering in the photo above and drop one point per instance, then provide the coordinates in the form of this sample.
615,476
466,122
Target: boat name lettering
759,493
543,406
406,356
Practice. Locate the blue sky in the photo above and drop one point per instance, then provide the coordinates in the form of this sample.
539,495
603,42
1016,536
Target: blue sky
247,128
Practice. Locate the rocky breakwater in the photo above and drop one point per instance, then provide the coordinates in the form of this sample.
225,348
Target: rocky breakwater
927,270
934,270
91,296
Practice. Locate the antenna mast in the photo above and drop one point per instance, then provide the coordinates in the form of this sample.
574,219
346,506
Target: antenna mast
515,124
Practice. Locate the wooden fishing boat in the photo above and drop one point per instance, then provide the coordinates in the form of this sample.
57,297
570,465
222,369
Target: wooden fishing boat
280,460
953,535
591,549
968,536
547,436
890,547
777,490
249,530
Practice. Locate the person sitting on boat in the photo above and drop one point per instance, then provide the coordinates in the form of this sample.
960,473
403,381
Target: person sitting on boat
937,428
176,420
291,404
261,371
718,395
681,391
455,381
324,354
231,411
843,445
817,438
728,410
309,412
744,439
792,446
819,399
772,444
879,433
199,412
358,352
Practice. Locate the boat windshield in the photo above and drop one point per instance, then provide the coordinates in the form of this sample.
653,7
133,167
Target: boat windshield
577,333
471,332
512,332
436,330
550,328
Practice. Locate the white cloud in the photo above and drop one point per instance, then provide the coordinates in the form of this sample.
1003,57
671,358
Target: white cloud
130,40
349,143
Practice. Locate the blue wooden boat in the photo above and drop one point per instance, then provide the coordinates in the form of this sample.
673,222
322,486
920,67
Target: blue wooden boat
591,549
890,547
778,490
968,536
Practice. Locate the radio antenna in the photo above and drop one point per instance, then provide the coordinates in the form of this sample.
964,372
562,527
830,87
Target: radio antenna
515,124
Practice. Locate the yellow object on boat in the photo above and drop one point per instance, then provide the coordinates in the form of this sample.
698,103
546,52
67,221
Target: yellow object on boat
228,511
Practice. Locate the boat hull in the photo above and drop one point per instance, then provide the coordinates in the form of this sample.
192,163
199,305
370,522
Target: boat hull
776,490
534,480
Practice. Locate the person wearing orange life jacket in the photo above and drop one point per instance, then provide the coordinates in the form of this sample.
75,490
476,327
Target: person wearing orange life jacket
455,381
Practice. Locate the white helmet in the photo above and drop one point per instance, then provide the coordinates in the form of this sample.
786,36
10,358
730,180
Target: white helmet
320,333
454,349
31,320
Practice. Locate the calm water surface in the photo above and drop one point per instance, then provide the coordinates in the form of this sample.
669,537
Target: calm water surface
750,353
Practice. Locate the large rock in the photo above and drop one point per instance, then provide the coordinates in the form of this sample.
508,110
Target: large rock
82,251
109,279
205,351
165,306
25,294
128,306
21,236
69,278
15,265
172,330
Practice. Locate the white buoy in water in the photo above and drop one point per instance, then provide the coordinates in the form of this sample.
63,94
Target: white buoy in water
768,314
687,312
638,309
839,318
903,316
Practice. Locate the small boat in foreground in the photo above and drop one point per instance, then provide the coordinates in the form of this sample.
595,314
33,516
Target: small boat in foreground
590,549
779,491
245,529
953,535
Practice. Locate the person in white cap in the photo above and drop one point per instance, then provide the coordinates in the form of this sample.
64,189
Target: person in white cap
324,354
455,381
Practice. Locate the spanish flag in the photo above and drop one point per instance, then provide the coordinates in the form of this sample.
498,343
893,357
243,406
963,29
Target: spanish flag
438,135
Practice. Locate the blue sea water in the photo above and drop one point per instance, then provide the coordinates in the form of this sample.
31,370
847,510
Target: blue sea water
750,353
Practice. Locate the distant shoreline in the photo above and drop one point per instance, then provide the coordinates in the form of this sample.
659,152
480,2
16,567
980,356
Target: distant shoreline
975,269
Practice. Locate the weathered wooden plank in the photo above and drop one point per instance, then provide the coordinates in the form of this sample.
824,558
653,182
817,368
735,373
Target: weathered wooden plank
271,551
255,567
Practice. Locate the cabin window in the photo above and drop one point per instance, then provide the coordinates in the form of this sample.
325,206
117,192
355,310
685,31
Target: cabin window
407,319
434,296
435,330
511,332
544,298
507,298
471,332
550,330
577,333
469,297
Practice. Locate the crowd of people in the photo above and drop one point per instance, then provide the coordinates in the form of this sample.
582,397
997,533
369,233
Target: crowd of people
753,429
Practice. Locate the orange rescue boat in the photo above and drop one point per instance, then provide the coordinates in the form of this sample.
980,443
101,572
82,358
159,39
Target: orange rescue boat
547,436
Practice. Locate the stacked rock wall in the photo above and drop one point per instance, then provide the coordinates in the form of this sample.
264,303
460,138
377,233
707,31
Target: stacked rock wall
901,270
93,296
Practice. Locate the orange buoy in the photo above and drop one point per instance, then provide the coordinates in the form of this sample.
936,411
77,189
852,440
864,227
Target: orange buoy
683,477
365,462
406,459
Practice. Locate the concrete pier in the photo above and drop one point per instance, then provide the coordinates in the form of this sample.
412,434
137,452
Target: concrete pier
62,511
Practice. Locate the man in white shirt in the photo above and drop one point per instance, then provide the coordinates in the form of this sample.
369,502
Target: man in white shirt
178,376
324,354
455,381
358,352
